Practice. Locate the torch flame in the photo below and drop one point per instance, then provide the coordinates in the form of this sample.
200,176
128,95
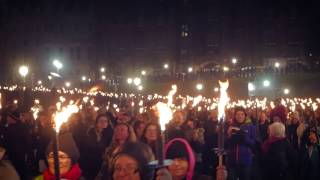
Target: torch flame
94,89
171,93
62,116
35,111
165,114
197,100
223,101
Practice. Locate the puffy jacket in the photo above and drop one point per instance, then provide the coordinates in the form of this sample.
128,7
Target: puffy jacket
239,146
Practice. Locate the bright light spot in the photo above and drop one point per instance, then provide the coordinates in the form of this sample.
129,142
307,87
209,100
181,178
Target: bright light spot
49,77
266,83
286,91
216,89
199,87
102,69
140,88
15,101
190,69
143,72
36,101
57,64
166,66
84,78
39,82
277,64
103,77
68,84
225,68
129,80
23,71
234,61
251,87
137,81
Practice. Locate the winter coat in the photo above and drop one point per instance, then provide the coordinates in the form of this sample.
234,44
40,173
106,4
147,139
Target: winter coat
18,145
240,146
279,159
292,135
209,160
7,171
175,132
92,157
310,169
263,131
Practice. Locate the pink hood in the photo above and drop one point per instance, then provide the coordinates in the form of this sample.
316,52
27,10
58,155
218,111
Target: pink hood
192,161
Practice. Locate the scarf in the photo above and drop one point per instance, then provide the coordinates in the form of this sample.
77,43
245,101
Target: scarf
73,174
266,145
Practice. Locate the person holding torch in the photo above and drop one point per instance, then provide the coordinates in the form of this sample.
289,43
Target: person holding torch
240,143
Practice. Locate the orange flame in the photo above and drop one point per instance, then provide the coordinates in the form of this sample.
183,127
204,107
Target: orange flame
63,115
171,93
224,99
165,114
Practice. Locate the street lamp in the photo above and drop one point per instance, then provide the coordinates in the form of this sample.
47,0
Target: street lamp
266,83
251,87
286,91
103,77
39,82
57,64
143,72
140,88
23,70
102,69
84,78
190,69
199,87
225,68
234,60
129,80
137,81
166,66
68,84
49,77
276,64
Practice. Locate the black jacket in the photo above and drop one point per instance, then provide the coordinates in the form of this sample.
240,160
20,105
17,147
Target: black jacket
309,170
93,150
279,161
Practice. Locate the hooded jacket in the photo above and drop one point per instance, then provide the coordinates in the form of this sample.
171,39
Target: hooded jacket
191,158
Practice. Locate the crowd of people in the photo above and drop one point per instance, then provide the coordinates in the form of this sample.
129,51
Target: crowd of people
104,144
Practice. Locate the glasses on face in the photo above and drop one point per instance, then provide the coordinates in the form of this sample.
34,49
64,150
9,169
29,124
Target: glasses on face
130,169
62,157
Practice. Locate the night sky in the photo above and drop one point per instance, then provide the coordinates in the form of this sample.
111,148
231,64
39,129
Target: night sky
148,32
